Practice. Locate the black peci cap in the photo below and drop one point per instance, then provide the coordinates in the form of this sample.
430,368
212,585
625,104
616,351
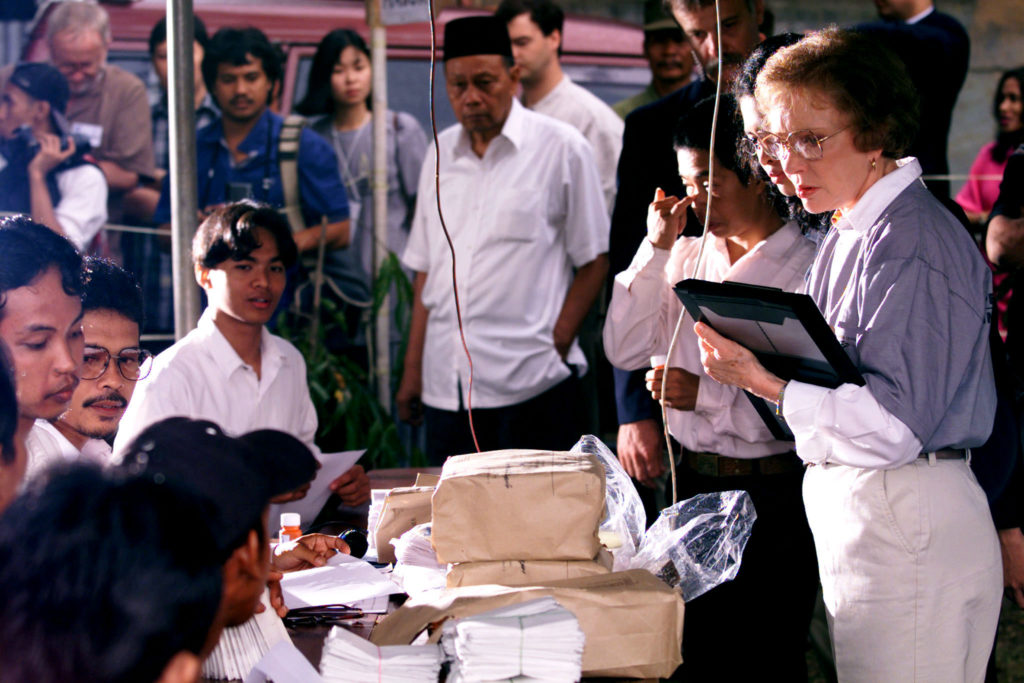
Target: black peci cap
476,35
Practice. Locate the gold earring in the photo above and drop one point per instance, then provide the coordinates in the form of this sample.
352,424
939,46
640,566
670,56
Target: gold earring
873,164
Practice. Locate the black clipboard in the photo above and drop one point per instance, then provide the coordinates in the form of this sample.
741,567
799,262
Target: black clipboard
786,332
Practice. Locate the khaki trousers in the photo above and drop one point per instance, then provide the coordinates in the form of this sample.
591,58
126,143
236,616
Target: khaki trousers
910,570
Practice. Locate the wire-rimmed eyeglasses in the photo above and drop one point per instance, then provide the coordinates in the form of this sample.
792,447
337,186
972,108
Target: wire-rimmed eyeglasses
133,364
804,143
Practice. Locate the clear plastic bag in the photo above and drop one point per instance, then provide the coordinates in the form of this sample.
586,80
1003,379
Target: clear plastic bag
622,528
698,543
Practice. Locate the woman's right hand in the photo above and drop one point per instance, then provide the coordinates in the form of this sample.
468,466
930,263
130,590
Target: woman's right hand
679,390
730,363
666,218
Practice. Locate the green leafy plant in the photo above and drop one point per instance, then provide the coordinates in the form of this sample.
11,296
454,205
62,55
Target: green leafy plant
344,391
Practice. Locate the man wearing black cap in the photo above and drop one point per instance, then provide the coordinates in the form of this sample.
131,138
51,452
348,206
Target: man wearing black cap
44,171
238,477
522,202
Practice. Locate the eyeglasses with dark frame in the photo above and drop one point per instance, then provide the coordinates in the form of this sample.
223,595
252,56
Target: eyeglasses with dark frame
133,364
803,142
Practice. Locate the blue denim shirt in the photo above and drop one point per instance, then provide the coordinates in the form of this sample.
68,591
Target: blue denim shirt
320,187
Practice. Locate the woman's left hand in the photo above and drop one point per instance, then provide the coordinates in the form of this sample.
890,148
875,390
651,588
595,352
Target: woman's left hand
727,362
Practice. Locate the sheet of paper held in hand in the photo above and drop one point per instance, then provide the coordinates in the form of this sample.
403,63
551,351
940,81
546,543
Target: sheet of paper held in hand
344,580
332,466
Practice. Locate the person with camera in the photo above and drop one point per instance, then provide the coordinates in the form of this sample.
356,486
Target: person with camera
44,171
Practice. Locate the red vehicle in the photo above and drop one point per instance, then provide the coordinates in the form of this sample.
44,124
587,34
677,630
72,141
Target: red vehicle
602,55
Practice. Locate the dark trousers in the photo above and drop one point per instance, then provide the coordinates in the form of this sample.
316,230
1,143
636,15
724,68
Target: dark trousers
550,421
754,628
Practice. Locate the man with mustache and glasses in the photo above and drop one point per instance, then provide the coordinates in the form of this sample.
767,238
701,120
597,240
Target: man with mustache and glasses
113,362
237,155
41,326
647,163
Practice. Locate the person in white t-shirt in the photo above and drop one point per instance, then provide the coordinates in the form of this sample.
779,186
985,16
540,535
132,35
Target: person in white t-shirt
535,29
44,172
231,369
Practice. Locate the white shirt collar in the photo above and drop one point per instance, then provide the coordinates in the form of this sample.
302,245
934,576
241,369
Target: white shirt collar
880,195
224,355
94,450
918,17
512,130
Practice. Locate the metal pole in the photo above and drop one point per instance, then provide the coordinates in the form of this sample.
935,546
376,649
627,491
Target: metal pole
184,194
382,322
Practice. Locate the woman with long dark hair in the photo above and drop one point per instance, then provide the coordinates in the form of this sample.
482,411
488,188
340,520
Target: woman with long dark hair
979,193
339,97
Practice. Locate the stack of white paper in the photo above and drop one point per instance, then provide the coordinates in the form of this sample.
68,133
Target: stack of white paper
414,548
417,570
377,497
240,648
344,580
347,657
538,639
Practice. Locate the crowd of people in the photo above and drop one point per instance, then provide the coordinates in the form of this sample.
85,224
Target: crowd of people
145,481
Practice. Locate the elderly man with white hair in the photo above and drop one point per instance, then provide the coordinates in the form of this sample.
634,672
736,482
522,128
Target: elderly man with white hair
108,105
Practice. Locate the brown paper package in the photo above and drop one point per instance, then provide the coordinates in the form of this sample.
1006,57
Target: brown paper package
518,505
403,509
633,621
526,572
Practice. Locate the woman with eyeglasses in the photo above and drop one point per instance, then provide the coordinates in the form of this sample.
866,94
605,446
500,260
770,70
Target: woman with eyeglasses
726,445
907,551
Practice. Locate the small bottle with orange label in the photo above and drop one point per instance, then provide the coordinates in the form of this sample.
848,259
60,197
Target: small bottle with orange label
290,530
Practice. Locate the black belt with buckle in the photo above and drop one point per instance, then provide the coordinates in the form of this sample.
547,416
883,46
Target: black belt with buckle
946,454
714,465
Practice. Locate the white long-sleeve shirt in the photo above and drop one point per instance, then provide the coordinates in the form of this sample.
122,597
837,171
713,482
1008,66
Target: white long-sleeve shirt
203,377
643,314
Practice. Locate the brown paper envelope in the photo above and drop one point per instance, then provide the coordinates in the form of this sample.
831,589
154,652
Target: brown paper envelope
520,572
518,505
403,509
424,479
633,621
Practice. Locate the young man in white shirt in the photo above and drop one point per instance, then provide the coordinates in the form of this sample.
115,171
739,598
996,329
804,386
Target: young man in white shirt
113,362
41,327
523,205
535,29
231,369
42,169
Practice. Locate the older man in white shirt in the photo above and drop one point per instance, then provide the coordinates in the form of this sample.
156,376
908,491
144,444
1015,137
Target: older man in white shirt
523,205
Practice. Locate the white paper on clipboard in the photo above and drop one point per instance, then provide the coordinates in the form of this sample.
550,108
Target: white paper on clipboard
332,466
